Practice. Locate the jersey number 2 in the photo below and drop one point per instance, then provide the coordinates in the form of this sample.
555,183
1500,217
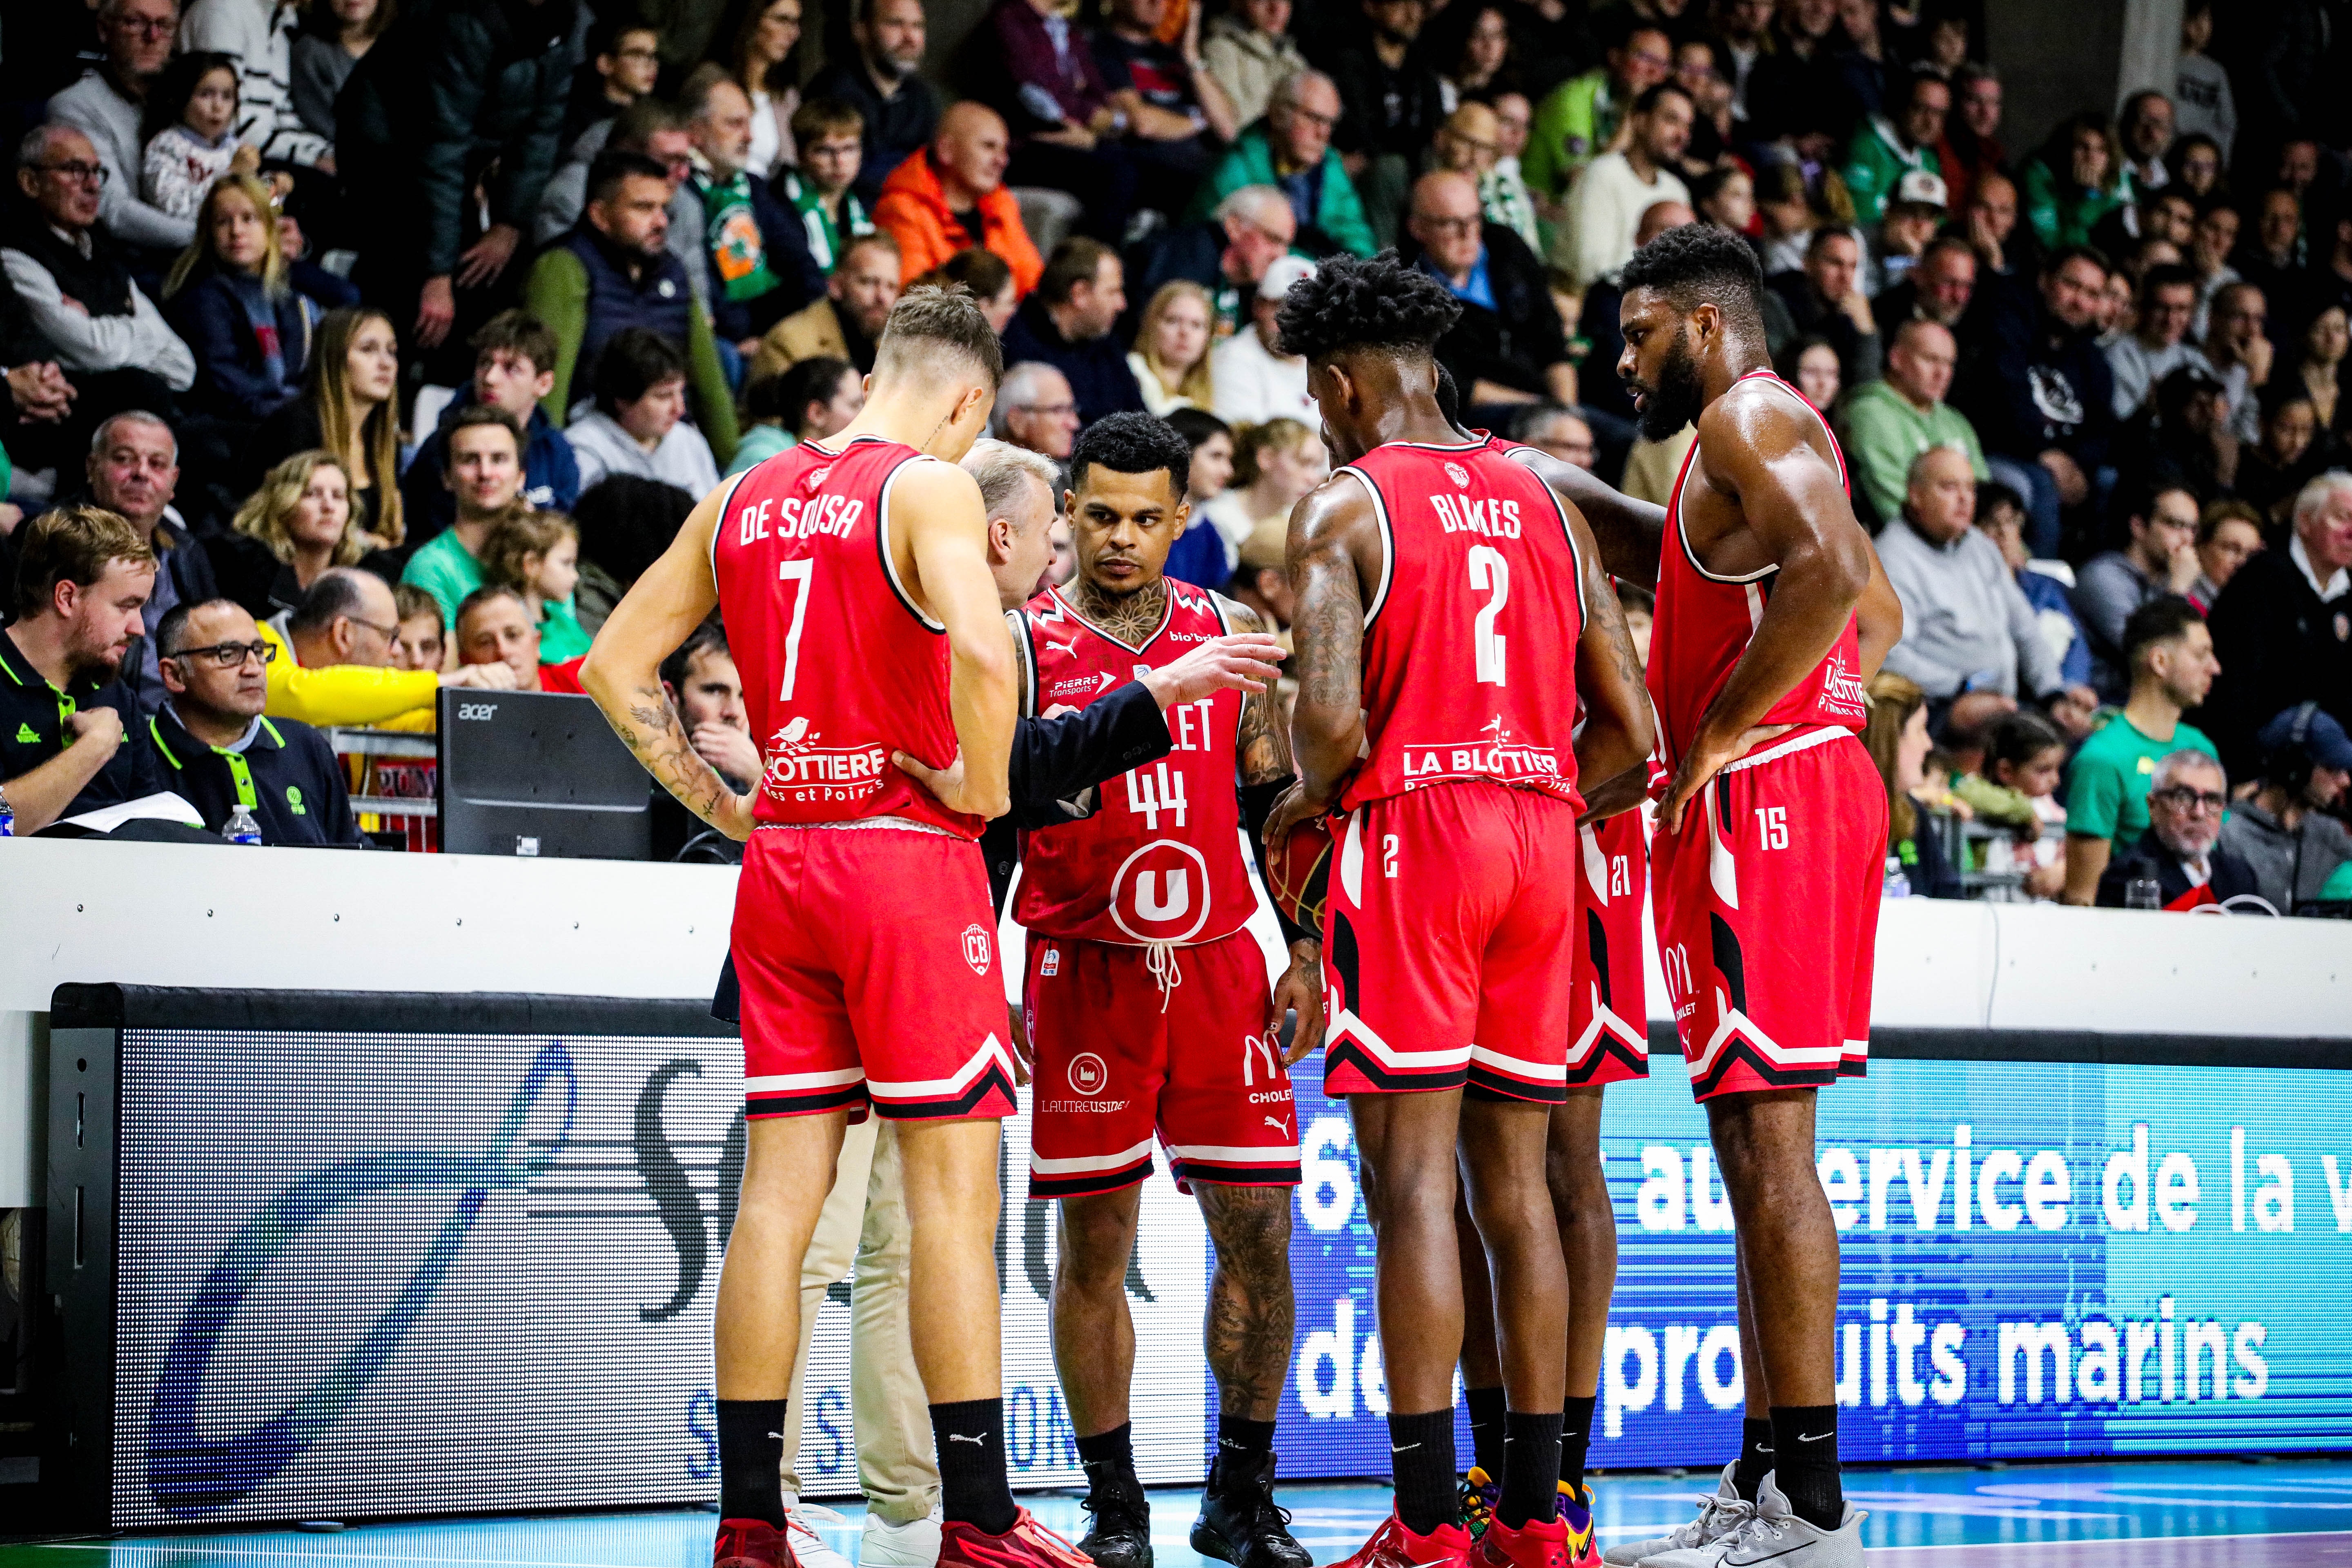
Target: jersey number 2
799,572
1489,569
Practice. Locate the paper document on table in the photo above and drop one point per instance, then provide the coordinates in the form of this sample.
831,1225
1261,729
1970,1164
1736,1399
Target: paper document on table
162,807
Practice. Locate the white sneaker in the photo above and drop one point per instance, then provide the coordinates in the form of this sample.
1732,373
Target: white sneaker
888,1545
803,1522
1720,1518
1779,1537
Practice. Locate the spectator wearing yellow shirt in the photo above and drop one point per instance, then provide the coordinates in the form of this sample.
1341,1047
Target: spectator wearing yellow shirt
334,663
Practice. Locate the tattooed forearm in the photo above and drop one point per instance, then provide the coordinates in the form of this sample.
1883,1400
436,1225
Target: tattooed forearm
1252,1314
653,730
1259,742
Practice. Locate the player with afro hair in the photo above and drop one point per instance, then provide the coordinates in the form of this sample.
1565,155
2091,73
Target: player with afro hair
1351,305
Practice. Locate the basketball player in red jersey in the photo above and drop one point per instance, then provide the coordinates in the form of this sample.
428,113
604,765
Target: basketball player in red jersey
1452,616
1147,1006
1772,614
854,578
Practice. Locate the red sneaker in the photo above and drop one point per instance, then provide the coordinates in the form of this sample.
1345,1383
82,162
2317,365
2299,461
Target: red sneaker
1028,1544
750,1544
1539,1543
1394,1546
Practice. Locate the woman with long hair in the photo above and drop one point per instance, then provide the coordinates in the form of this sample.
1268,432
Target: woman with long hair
231,296
756,42
2319,363
809,400
348,406
1275,464
1171,358
288,532
1898,739
2079,178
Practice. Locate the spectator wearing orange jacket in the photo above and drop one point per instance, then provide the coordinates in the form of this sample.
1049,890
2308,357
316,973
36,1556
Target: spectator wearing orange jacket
950,196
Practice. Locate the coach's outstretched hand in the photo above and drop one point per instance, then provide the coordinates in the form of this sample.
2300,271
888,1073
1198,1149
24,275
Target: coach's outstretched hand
1239,661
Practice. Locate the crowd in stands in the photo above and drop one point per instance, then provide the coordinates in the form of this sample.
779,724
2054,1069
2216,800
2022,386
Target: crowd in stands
382,344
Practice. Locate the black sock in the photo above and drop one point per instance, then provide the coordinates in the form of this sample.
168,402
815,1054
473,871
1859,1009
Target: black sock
1109,1458
1242,1444
1576,1441
970,1436
751,1460
1421,1450
1755,1456
1487,1411
1530,1468
1805,1462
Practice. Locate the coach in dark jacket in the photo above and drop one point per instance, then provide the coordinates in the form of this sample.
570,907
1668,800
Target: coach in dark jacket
455,86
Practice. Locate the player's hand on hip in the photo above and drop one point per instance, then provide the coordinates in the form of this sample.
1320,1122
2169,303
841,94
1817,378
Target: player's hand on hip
949,784
1300,990
1239,661
1699,764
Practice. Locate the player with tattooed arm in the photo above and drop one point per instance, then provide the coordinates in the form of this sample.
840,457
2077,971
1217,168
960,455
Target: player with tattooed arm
853,574
1148,1007
1452,622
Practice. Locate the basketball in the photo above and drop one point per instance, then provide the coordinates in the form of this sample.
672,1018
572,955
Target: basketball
1302,872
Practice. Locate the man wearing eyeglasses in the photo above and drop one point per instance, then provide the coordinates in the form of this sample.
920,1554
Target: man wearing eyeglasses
217,752
2179,852
70,736
76,285
106,105
1507,346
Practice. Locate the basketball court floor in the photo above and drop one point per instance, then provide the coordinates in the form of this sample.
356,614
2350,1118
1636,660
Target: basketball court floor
2206,1514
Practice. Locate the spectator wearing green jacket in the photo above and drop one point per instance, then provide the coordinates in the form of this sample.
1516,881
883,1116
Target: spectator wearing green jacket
1579,118
1884,425
1290,149
1886,147
2078,179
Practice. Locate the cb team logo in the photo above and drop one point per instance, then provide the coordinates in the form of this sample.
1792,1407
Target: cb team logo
1089,1076
976,947
1459,475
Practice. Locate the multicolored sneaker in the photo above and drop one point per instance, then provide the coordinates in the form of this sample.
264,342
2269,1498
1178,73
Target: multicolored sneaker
750,1543
1574,1509
1479,1495
1394,1546
1028,1544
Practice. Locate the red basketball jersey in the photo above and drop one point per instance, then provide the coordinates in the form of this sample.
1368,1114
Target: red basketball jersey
838,665
1704,623
1469,660
1156,857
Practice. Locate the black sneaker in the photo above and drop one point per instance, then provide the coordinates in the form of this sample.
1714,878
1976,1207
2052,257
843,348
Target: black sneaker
1121,1534
1241,1523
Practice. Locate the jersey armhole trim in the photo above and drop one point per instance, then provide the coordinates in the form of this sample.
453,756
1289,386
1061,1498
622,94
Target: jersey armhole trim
1682,534
882,541
710,550
1568,531
1018,621
1388,541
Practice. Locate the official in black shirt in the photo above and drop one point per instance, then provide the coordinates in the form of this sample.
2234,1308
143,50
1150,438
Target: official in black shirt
71,736
216,750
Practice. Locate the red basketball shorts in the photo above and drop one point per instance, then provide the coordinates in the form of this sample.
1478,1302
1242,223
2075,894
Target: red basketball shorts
1609,1013
1445,943
1113,1065
868,958
1767,916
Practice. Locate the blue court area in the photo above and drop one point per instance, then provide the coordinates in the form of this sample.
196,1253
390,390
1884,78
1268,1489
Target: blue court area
2154,1515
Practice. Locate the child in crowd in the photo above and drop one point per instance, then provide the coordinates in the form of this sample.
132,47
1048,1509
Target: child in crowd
537,553
191,113
2025,757
422,642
